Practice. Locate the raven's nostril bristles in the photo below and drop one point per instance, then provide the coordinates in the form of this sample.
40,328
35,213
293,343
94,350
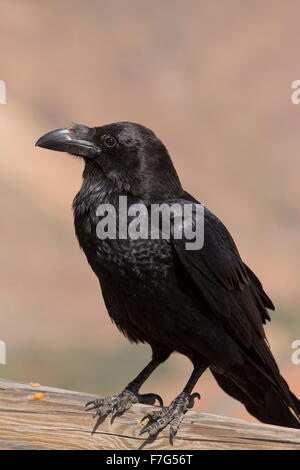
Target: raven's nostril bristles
84,132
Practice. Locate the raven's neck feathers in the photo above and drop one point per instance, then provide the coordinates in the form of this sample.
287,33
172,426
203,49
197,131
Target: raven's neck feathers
99,188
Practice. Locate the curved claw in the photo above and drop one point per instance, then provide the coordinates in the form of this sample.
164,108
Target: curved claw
91,408
144,429
154,415
89,403
150,398
95,404
147,426
192,399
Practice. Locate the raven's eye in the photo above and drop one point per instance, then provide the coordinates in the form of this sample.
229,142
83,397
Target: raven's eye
110,141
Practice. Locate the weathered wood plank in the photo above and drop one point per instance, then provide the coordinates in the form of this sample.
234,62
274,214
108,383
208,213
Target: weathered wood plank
58,421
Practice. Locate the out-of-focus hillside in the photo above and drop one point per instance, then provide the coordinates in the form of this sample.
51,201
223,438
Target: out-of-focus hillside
212,79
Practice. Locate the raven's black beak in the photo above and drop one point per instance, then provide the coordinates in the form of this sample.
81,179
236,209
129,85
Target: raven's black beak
78,140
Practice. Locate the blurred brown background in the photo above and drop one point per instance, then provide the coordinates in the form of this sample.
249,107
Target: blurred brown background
213,80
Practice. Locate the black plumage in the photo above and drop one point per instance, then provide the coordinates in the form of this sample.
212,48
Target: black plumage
206,304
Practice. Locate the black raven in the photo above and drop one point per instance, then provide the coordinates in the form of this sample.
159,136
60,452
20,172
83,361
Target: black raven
205,303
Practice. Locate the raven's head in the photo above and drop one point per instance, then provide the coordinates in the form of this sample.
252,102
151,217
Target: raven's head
126,153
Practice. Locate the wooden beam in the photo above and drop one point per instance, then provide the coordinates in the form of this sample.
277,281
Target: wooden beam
38,417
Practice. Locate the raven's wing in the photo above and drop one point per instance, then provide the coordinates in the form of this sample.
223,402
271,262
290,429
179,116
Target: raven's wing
230,288
235,295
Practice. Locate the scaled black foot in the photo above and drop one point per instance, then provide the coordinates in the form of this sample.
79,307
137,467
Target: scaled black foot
117,404
171,414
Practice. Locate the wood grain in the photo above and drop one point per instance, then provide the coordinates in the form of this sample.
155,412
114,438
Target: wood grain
58,421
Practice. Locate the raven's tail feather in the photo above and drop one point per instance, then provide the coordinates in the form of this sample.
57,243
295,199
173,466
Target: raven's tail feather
263,402
297,403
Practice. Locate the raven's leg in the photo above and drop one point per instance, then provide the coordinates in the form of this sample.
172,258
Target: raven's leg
173,413
117,404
